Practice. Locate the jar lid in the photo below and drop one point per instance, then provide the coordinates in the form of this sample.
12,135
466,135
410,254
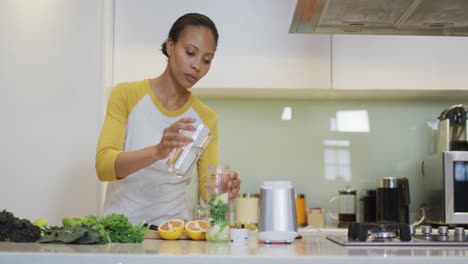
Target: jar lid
299,195
248,195
389,182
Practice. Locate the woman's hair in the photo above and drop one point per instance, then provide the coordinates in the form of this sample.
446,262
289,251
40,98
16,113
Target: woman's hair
190,19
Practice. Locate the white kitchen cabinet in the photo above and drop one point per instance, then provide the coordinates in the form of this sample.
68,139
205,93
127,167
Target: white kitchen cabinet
399,62
257,57
255,49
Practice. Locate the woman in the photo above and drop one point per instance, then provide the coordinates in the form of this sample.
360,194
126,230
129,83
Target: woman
143,124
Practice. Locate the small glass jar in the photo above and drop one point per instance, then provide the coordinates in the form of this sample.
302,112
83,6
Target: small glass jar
217,194
247,208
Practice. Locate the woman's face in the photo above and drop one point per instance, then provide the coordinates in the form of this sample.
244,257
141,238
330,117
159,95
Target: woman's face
190,58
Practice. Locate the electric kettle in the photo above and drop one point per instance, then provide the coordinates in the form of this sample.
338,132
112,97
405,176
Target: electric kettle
277,218
393,200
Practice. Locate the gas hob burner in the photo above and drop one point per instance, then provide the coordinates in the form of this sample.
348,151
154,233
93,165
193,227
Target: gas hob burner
382,234
365,231
385,234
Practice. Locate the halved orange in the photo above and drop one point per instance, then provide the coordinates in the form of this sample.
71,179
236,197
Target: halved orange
172,229
196,229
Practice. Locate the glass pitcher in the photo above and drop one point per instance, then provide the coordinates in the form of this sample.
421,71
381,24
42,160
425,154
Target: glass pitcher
347,200
217,194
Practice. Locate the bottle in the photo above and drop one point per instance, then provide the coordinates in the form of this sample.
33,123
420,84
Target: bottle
300,209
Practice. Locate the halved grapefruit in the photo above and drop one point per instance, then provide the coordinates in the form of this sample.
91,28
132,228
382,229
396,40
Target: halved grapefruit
196,229
172,229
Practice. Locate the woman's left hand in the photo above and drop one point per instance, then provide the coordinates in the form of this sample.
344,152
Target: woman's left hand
234,185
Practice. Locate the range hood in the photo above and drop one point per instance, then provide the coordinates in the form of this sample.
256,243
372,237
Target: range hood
381,17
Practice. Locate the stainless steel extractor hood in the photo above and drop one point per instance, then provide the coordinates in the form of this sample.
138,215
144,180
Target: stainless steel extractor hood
381,17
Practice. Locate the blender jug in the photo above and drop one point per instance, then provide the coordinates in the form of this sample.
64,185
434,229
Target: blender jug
347,200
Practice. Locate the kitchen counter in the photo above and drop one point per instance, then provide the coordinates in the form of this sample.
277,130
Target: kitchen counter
312,248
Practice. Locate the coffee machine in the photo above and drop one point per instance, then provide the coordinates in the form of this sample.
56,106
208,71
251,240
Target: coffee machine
452,129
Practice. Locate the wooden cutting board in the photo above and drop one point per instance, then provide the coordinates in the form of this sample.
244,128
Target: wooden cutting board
154,234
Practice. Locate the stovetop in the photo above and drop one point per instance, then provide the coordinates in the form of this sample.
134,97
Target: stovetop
378,234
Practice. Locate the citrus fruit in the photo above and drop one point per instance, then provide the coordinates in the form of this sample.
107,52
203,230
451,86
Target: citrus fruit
240,224
196,229
172,229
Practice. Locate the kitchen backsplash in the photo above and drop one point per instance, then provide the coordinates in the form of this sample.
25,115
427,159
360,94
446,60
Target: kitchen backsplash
327,144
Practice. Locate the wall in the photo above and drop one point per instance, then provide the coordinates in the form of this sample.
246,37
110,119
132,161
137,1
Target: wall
254,48
51,107
255,51
54,90
328,144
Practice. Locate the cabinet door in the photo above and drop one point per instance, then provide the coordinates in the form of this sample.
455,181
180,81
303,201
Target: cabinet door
254,50
399,62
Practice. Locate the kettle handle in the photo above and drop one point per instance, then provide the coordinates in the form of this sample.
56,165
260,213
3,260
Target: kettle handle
330,203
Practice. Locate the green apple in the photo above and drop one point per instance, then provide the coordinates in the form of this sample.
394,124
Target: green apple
71,221
41,222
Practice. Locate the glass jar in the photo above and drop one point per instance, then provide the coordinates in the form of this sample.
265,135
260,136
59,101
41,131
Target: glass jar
247,208
217,194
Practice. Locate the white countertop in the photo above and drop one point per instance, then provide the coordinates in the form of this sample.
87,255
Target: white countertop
312,248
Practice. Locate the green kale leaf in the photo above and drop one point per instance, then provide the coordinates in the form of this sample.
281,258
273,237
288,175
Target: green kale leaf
15,229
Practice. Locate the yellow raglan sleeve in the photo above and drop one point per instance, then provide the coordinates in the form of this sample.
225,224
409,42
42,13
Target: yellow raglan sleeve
112,136
211,155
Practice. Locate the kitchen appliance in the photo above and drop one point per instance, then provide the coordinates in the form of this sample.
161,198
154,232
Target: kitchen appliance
452,134
347,200
393,200
381,17
397,234
277,219
445,188
369,206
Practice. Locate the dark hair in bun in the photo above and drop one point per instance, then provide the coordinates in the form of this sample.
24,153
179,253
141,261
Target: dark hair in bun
190,19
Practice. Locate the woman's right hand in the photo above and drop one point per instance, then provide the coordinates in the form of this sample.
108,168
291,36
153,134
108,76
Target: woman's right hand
132,161
172,137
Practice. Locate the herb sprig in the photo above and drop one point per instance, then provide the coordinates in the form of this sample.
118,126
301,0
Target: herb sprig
218,209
